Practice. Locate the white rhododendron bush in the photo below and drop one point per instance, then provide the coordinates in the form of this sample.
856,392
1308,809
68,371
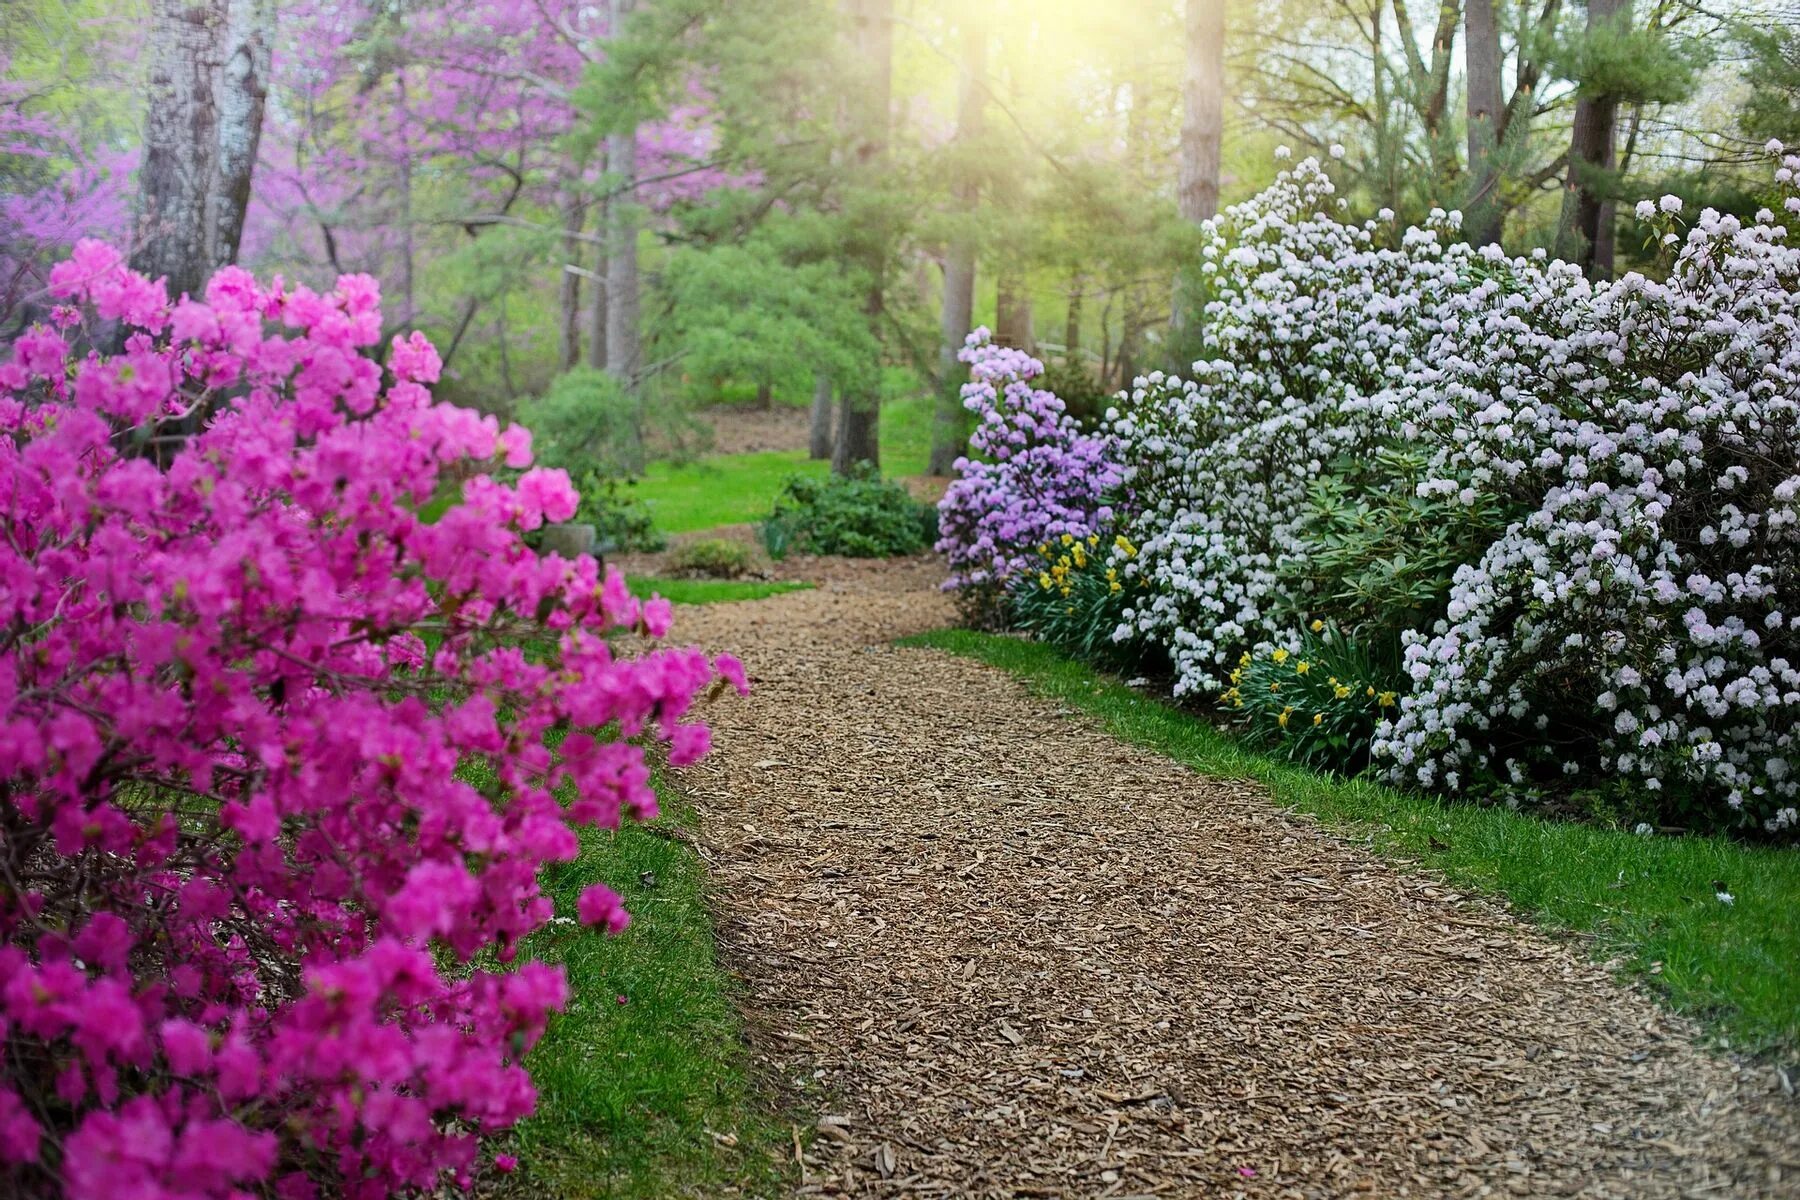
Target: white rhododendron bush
1612,467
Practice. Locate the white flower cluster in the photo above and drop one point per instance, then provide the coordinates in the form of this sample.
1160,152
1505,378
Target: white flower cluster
1634,622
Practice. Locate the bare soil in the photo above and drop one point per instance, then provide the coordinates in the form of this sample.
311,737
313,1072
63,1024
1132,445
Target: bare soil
745,430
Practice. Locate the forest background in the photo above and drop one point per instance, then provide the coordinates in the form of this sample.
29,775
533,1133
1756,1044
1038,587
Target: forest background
607,213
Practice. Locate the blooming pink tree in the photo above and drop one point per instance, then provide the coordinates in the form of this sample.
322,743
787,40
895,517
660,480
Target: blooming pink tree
54,189
467,128
288,725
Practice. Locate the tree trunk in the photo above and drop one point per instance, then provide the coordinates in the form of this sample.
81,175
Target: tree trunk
596,355
181,129
1481,52
859,410
574,213
1012,312
623,345
1202,131
1072,319
818,443
958,314
1584,234
243,88
408,246
1202,110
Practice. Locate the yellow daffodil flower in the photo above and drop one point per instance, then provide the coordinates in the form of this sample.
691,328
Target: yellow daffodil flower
1302,667
1280,655
1386,699
1318,718
1317,626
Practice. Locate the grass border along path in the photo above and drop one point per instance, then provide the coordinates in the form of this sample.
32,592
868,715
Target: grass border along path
1649,902
644,1082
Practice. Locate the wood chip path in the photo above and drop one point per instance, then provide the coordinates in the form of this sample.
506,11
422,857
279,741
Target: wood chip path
1005,954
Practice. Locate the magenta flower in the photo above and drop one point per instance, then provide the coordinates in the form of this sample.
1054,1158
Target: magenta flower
277,778
600,905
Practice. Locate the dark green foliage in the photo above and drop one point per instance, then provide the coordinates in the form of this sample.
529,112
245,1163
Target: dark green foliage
586,422
1382,557
1772,106
857,515
621,521
1316,701
711,558
772,312
1634,62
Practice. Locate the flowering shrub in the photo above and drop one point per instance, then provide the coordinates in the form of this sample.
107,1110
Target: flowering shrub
255,913
1077,599
1619,460
1036,476
1317,697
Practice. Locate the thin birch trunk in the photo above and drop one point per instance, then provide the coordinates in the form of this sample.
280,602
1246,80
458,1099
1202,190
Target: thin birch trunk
948,438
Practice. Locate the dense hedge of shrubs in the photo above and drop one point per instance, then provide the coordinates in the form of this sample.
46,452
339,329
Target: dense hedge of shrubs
711,558
277,703
859,515
1566,512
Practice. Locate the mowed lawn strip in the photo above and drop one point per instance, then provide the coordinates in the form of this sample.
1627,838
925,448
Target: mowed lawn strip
1650,902
643,1081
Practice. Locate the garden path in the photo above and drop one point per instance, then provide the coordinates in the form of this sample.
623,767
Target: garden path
1011,956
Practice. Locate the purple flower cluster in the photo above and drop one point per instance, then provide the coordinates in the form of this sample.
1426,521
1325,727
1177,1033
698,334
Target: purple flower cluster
1035,475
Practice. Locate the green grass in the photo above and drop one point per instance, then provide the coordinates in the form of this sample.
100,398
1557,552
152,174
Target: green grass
735,489
1647,901
709,591
643,1086
724,489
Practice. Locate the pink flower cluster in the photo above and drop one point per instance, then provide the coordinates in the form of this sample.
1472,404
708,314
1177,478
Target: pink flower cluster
1035,477
290,719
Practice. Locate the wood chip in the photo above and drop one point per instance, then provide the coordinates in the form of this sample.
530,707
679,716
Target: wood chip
1023,953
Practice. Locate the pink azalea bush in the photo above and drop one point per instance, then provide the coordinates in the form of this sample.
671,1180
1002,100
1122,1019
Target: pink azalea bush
276,709
1035,476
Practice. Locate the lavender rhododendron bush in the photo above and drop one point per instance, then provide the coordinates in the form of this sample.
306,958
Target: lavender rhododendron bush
1035,475
258,923
1609,472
